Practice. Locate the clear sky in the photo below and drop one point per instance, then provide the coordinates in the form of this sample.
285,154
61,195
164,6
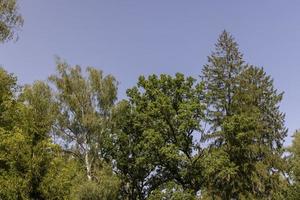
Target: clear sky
128,38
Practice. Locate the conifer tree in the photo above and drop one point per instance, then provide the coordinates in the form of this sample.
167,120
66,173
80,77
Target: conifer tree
247,127
220,77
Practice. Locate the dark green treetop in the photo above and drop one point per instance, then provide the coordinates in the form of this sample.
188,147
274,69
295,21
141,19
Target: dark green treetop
247,127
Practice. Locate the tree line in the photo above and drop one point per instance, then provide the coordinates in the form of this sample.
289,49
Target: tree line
218,136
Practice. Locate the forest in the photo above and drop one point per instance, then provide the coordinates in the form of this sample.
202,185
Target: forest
216,136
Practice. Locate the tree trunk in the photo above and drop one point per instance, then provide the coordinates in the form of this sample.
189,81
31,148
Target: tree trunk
88,165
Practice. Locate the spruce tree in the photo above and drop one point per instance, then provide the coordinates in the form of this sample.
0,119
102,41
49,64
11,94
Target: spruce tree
246,126
220,77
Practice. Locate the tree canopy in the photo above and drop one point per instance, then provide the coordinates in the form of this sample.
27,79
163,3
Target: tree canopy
218,136
10,20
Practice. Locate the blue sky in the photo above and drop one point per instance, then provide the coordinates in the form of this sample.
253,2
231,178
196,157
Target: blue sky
128,38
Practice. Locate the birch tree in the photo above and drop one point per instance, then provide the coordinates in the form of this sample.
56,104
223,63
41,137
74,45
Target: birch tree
10,20
85,108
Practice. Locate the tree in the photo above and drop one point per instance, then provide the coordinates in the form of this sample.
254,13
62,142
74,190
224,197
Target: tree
29,159
84,115
38,116
25,147
8,100
293,191
155,143
247,127
220,77
10,20
12,161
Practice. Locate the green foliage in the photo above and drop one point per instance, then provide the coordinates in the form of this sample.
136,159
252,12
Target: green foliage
26,149
74,142
171,191
220,77
155,141
293,191
247,128
64,173
105,187
84,113
14,166
8,104
38,115
39,112
10,20
14,150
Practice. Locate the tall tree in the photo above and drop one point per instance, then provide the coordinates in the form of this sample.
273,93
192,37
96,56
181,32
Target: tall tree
220,77
10,20
85,113
247,127
13,162
38,115
25,144
155,143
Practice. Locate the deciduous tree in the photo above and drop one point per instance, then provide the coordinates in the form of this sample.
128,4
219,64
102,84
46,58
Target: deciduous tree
156,139
83,122
10,20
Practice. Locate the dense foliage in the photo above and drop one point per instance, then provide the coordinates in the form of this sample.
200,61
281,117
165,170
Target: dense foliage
246,126
174,137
